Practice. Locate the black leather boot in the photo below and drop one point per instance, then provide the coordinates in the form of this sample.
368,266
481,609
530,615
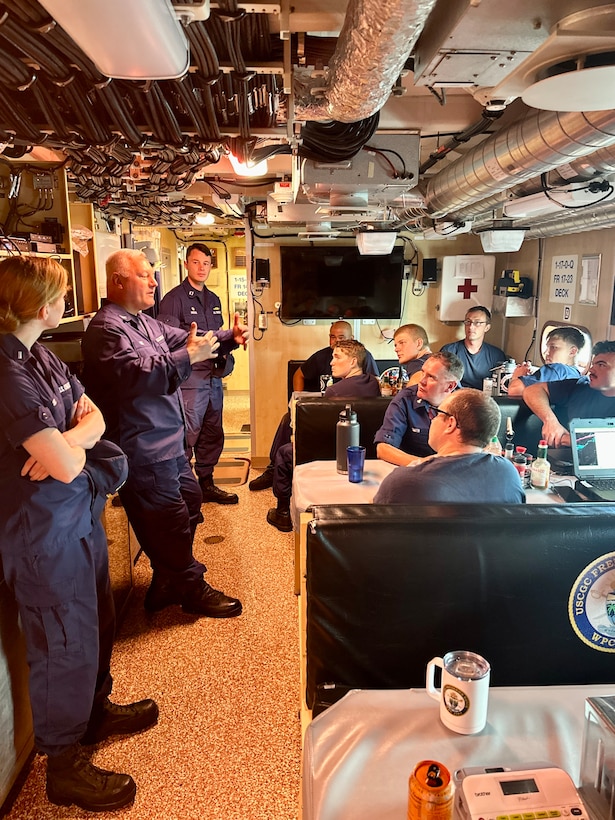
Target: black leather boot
264,481
111,719
73,779
215,494
279,517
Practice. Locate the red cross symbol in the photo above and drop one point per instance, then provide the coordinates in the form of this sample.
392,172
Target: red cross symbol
467,288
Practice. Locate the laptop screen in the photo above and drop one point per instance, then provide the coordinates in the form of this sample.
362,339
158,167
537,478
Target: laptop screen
593,447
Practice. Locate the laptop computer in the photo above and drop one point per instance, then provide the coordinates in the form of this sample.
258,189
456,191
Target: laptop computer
593,456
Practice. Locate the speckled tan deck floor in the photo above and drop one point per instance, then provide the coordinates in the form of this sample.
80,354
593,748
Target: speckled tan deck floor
227,746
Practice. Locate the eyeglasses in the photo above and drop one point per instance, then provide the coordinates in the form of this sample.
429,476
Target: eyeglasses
437,411
469,323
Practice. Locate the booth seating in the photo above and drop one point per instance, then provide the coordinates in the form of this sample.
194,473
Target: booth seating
316,417
390,587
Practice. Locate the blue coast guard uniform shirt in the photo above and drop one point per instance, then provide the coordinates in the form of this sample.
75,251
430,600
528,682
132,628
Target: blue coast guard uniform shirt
406,424
134,366
186,304
37,392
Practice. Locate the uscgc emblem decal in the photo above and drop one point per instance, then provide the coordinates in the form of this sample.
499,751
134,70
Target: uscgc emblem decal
591,606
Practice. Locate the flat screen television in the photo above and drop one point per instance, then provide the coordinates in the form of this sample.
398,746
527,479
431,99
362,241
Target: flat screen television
337,282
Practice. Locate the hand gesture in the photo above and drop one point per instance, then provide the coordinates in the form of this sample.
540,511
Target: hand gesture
241,333
201,348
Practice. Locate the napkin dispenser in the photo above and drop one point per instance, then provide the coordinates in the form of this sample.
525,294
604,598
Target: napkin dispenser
597,779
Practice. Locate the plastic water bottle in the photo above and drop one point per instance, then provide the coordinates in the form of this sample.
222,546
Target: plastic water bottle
346,435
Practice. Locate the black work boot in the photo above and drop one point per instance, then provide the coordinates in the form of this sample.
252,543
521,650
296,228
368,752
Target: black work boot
110,719
71,778
215,494
279,516
203,599
264,480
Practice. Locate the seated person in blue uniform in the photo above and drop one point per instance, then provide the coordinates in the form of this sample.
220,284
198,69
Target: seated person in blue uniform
563,345
478,357
53,545
133,367
590,396
405,428
412,349
459,472
202,392
347,362
312,377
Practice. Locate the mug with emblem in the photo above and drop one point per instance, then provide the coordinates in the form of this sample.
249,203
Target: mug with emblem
464,691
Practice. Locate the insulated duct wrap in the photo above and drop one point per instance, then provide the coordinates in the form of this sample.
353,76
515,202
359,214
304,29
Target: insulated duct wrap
372,49
529,147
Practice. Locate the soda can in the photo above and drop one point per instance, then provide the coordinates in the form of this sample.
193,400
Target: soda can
430,792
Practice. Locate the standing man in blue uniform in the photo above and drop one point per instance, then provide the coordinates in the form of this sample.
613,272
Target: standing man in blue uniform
478,357
405,428
134,365
202,391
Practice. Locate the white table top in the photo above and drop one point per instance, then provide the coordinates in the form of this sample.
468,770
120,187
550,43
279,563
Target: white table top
318,482
359,753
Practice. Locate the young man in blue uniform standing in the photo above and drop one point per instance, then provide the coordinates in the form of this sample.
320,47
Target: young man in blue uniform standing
134,365
202,391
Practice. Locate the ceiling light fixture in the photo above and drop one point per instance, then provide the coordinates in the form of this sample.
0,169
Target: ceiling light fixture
539,203
126,40
501,238
248,169
376,243
204,218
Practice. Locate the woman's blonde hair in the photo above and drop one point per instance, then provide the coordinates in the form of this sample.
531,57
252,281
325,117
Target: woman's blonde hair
26,284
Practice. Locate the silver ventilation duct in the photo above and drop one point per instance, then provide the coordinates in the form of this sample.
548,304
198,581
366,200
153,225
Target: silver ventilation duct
590,219
376,40
541,142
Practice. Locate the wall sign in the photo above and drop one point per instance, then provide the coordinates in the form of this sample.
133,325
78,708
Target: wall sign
563,285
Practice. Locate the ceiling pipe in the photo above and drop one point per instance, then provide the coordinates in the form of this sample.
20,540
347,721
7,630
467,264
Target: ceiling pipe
375,42
591,219
539,143
599,163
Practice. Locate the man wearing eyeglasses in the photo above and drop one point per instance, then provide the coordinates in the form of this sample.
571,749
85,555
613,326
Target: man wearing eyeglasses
405,428
460,472
479,358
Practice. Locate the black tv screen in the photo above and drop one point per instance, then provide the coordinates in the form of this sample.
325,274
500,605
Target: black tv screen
337,282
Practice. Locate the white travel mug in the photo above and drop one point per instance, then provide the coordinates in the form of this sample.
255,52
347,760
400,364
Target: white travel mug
464,692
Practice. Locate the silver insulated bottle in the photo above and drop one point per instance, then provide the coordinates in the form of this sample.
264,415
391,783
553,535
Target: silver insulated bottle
346,435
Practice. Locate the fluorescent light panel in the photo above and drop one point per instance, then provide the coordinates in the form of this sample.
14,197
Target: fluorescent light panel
540,203
126,39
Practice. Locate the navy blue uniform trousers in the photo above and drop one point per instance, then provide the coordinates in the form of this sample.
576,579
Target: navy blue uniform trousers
163,502
66,608
204,430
